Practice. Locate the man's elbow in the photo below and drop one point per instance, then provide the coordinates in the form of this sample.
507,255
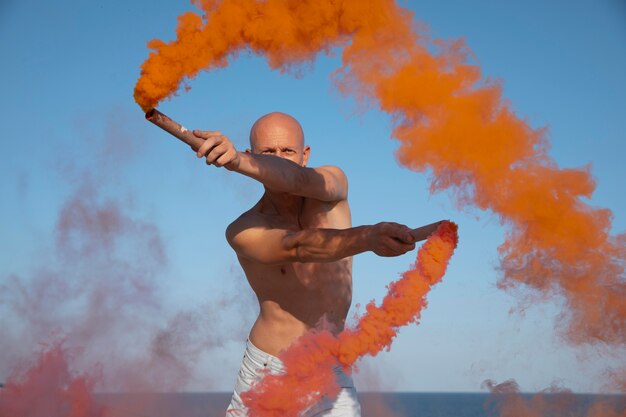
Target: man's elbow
304,256
341,185
329,186
296,246
335,192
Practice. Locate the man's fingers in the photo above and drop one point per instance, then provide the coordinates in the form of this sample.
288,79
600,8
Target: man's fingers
407,237
217,151
403,234
205,134
221,161
407,247
208,145
398,247
403,248
204,148
225,158
404,239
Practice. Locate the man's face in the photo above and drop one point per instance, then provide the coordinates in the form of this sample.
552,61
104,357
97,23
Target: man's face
279,135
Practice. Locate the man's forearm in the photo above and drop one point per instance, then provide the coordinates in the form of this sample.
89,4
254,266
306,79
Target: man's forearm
329,245
277,174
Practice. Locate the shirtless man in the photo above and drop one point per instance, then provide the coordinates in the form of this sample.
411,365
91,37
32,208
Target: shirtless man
295,246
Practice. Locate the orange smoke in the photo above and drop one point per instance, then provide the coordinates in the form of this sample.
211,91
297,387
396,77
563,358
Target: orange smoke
49,388
309,362
286,32
448,121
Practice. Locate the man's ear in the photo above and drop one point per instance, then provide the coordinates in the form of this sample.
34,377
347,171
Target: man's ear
305,155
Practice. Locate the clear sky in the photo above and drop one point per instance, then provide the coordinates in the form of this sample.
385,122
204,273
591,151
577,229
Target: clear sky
71,132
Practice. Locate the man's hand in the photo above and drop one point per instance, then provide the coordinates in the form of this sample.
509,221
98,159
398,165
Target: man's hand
390,239
217,149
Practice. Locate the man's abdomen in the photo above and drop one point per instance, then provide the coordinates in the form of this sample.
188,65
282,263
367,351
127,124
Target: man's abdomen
296,297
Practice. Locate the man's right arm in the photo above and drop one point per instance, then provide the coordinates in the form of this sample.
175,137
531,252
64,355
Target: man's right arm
327,183
277,246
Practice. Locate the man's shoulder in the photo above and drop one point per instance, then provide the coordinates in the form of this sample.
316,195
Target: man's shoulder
334,170
249,217
246,220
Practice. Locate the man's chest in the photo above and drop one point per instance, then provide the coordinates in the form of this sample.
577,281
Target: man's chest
312,215
316,214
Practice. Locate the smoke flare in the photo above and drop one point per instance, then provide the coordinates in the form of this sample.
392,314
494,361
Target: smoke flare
448,121
309,362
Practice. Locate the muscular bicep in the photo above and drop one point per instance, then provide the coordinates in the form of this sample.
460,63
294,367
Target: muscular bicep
262,245
326,183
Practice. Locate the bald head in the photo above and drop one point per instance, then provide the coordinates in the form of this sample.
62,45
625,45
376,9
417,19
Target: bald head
279,134
276,125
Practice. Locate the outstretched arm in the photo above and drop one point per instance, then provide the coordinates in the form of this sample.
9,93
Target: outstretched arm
276,246
326,183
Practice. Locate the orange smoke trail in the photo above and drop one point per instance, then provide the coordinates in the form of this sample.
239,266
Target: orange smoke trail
286,32
309,362
447,120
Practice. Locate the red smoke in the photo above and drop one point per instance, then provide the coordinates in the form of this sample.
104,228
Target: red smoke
98,286
309,362
507,401
50,388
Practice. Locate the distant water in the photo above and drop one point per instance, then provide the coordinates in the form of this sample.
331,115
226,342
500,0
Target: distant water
407,404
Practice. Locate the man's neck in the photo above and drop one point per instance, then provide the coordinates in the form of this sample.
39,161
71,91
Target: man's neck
284,205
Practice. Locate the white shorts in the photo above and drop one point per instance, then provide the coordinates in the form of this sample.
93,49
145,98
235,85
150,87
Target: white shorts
255,361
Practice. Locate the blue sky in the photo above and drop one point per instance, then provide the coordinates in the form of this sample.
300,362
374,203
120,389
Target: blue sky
68,73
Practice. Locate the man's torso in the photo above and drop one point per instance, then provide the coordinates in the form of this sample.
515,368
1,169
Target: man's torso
295,297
